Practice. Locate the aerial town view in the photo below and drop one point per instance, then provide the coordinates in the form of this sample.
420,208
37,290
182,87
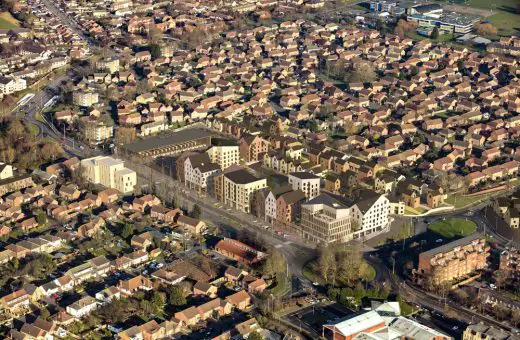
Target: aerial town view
260,169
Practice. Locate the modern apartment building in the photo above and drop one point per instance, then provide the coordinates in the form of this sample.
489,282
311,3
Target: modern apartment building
109,172
199,172
251,147
271,203
224,156
288,206
108,64
10,85
238,188
326,220
97,132
85,98
369,214
453,260
306,182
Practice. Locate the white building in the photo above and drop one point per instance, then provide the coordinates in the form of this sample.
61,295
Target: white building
306,182
382,322
6,171
85,98
199,172
326,219
224,156
109,172
270,207
239,187
82,307
10,85
370,215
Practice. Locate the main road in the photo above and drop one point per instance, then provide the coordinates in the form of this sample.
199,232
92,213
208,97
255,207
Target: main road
296,252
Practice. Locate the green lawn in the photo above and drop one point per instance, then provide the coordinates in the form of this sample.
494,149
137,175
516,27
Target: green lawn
33,129
459,201
453,227
494,5
282,287
7,21
506,22
309,274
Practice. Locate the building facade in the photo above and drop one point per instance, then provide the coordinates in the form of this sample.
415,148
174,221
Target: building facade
326,220
10,85
306,182
224,156
199,172
370,215
251,147
109,172
453,260
239,187
85,98
97,132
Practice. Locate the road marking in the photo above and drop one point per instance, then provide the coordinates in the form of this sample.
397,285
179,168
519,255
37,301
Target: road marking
278,246
287,243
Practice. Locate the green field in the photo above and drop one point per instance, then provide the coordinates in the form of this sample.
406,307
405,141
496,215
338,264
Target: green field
453,227
7,21
506,18
494,5
505,22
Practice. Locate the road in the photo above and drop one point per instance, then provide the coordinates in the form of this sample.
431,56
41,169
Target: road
426,300
53,7
296,252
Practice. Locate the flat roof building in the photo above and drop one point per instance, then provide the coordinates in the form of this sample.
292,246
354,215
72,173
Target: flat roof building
382,322
175,143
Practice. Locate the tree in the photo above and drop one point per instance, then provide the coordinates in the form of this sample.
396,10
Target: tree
51,151
177,297
326,262
461,296
515,317
41,218
146,308
124,135
405,28
127,230
254,335
154,35
379,25
361,71
486,30
406,308
196,212
45,314
274,264
158,300
500,278
435,33
116,311
155,50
